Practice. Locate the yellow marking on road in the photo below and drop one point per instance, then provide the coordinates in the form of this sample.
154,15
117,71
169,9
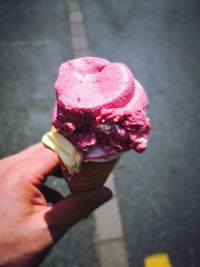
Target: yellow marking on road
158,260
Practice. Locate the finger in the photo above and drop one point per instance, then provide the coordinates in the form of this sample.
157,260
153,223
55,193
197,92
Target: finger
50,194
25,153
39,165
28,151
16,158
73,208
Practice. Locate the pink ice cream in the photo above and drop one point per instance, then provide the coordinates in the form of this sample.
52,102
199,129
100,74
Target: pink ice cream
100,107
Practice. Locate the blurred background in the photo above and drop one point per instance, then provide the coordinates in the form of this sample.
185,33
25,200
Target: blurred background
157,192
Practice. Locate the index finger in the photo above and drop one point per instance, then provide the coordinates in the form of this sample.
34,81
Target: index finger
20,156
40,164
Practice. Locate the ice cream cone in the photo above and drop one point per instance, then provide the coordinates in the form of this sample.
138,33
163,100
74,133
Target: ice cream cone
80,174
92,176
100,113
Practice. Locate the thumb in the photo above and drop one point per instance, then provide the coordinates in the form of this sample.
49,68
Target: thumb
72,209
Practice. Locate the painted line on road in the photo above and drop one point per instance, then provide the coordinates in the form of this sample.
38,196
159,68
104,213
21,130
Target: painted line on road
79,41
109,236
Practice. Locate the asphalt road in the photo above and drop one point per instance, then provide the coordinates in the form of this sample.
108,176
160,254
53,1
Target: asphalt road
34,42
159,190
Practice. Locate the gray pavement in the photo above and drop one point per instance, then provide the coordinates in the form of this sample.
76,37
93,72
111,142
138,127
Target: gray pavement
158,190
34,42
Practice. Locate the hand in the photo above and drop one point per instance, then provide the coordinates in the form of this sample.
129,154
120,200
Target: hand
29,227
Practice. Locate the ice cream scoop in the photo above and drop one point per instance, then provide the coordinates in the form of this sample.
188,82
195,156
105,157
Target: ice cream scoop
100,104
101,111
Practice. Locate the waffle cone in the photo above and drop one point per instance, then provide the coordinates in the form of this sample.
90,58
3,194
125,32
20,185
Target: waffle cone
92,176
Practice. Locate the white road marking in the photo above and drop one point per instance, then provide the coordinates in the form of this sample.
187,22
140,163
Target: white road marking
109,237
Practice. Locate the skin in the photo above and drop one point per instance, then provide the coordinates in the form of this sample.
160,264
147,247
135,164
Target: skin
29,226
